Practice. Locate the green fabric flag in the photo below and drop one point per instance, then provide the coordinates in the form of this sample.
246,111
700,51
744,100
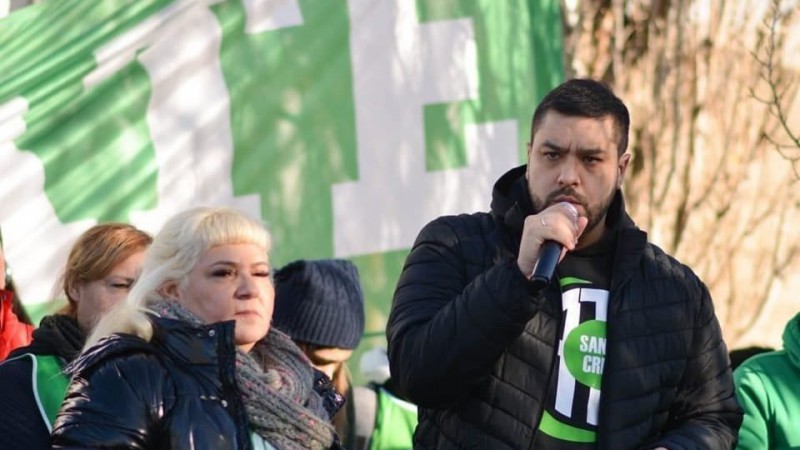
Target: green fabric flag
345,125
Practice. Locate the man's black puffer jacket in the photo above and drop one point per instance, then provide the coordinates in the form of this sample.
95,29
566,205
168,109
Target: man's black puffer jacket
474,347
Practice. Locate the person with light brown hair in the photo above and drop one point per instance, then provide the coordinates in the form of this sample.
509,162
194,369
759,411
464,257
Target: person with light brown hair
101,268
90,282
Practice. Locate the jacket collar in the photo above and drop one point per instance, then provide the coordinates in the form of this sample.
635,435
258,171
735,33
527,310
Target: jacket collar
193,344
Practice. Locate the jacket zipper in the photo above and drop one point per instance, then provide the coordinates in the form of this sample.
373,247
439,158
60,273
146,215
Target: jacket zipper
550,371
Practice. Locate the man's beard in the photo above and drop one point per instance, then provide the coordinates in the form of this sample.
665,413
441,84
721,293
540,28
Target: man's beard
594,215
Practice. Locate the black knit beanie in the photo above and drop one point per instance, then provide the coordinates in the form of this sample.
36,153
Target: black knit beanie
320,302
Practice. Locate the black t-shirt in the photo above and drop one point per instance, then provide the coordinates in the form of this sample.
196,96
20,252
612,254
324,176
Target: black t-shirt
569,421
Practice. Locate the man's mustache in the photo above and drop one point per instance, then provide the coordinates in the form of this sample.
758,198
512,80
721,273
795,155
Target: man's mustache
556,196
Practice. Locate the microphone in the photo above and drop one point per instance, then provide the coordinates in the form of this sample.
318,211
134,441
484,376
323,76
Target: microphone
545,266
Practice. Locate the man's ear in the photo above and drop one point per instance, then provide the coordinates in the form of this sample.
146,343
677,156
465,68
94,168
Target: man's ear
529,146
622,168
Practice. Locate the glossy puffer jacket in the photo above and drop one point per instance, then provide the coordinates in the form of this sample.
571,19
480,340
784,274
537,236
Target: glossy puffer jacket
175,392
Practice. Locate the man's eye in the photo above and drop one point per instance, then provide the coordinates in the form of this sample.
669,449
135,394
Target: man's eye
551,155
261,273
121,285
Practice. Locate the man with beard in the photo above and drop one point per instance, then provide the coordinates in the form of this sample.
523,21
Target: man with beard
622,350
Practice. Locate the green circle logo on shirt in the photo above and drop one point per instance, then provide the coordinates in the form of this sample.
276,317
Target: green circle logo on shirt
585,352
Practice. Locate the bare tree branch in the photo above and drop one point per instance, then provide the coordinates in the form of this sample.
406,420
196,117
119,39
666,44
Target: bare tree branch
710,103
779,87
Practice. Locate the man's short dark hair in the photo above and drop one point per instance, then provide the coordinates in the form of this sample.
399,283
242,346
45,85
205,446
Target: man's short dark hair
584,97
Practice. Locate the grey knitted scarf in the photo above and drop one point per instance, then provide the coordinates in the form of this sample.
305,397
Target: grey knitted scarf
275,381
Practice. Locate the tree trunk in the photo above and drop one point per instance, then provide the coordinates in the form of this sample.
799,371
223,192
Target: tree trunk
707,181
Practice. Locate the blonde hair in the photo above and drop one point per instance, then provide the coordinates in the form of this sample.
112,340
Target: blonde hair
95,254
174,252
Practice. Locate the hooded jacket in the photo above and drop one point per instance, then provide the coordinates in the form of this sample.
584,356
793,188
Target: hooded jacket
768,386
32,385
473,345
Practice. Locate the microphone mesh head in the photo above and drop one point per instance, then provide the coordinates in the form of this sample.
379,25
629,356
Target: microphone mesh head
571,210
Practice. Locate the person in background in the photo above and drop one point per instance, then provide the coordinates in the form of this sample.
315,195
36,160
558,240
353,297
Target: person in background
14,331
740,355
768,388
384,421
17,308
620,349
101,267
320,305
189,359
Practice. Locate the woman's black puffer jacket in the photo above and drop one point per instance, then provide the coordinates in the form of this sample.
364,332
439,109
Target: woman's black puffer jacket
175,392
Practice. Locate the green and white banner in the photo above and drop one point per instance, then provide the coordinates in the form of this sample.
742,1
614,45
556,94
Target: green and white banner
344,125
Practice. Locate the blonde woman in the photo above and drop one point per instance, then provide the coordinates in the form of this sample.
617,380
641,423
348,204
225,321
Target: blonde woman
189,359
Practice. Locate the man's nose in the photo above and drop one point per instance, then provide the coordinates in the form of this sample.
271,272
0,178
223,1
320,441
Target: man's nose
568,174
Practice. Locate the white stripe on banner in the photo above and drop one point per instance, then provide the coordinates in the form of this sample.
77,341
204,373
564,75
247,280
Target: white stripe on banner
267,15
399,66
189,120
36,240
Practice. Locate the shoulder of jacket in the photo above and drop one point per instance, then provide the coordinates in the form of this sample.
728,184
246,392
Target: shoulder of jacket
15,370
111,350
462,225
661,264
466,218
767,364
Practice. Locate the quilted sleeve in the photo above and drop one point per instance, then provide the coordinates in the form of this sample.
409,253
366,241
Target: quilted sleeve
447,330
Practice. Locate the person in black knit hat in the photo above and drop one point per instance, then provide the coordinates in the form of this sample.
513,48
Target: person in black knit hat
320,305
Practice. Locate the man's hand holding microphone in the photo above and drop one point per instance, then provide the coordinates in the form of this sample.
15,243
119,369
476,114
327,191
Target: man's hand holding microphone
546,237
